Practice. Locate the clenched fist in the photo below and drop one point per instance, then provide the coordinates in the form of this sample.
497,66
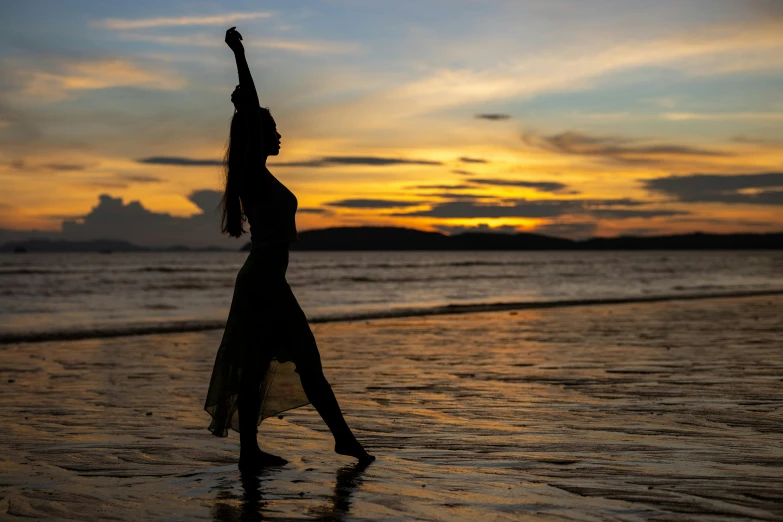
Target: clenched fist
234,40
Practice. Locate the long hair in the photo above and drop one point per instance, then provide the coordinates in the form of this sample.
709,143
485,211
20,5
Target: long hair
231,204
237,181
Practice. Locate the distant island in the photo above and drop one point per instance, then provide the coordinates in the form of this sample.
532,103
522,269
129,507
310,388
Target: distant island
104,246
397,238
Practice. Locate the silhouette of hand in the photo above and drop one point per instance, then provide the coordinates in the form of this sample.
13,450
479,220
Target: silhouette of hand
234,40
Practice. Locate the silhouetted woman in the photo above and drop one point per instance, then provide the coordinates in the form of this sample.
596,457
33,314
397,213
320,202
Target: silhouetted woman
268,361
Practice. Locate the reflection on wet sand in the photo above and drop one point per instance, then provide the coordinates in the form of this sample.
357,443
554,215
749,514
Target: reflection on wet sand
250,506
230,507
348,479
666,411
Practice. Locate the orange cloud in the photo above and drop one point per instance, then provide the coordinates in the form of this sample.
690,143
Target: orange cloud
70,77
308,47
145,23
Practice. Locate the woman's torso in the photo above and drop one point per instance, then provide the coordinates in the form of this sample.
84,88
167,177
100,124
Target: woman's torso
271,213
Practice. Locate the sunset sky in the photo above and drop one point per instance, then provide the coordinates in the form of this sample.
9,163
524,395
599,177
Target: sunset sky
565,117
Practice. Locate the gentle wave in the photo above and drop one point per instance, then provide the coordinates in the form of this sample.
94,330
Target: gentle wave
116,270
364,279
199,325
219,269
224,282
440,265
167,269
35,271
177,269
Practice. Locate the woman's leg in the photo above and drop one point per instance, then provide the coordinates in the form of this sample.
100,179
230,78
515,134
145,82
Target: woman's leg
251,458
320,394
249,402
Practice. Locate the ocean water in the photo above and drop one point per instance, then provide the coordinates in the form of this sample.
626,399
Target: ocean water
86,294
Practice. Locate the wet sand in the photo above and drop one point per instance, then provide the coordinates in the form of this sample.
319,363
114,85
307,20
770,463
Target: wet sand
655,411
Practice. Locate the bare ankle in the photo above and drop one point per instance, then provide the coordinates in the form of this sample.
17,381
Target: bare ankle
249,445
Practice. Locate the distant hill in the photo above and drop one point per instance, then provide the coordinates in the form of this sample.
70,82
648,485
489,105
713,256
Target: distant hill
394,238
695,241
369,238
397,238
46,245
495,241
96,245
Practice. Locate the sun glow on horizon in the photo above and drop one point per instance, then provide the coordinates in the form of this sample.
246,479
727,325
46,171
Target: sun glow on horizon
585,128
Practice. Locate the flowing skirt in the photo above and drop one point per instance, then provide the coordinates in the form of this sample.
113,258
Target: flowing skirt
267,341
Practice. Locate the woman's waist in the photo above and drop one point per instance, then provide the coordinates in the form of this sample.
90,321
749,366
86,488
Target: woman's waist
272,232
272,238
269,246
265,264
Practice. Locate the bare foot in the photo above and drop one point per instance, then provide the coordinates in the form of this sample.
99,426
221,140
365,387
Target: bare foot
255,460
353,448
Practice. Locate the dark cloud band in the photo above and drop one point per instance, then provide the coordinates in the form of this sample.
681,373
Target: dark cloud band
65,167
541,186
755,189
179,161
522,208
372,203
622,213
493,117
616,148
142,179
313,211
545,208
443,187
328,161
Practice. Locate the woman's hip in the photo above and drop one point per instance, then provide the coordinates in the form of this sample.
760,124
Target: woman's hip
265,265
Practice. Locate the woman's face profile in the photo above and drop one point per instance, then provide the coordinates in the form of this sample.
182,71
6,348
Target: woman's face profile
272,145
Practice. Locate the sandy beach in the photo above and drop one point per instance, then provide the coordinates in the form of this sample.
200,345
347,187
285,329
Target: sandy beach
654,411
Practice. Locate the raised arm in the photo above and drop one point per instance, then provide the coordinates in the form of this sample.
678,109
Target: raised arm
248,88
245,98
